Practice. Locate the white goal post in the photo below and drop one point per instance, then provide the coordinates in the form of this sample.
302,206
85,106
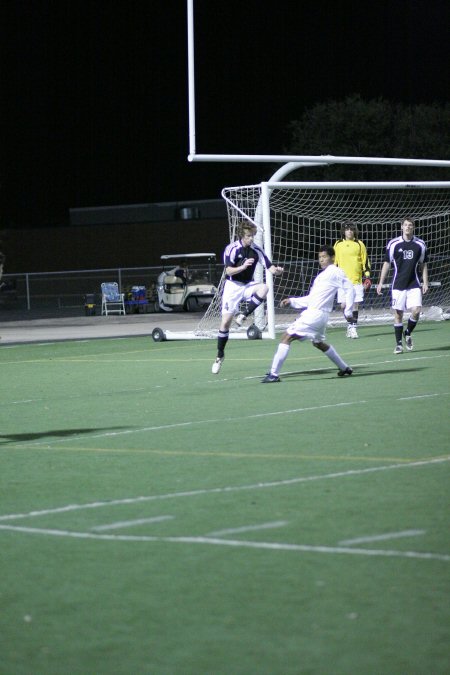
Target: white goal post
295,218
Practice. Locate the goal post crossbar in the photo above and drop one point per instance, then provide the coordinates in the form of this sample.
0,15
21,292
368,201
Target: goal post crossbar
309,160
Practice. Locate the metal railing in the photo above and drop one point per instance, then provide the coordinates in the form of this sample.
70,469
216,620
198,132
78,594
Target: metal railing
45,290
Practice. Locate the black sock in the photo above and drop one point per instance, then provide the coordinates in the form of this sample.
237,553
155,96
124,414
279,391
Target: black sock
355,316
255,302
411,325
398,328
222,340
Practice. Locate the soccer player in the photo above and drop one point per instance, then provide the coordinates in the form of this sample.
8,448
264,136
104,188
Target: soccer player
350,254
312,322
406,253
240,259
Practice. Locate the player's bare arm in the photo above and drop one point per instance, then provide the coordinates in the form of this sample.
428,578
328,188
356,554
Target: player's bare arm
383,275
248,262
424,278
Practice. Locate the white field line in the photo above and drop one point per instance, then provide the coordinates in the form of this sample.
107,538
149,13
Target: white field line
130,523
248,377
411,398
216,420
228,489
248,528
381,537
273,546
193,423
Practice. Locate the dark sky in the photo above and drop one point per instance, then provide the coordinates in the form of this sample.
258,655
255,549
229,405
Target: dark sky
94,93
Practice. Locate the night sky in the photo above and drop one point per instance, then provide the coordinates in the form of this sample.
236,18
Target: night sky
94,101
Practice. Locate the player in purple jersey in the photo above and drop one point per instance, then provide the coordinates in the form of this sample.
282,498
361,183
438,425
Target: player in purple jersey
407,253
240,258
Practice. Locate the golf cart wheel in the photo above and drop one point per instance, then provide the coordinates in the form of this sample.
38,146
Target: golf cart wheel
158,335
253,333
191,304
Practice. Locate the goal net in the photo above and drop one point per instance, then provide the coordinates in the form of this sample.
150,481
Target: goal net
294,219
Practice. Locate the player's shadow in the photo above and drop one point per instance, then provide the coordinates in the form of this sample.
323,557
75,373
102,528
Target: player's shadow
441,348
56,433
360,372
387,371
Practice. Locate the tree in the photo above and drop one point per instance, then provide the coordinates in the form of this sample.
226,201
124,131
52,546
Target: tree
378,128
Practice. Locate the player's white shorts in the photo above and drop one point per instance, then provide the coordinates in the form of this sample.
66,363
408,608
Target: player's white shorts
234,293
359,293
311,325
402,300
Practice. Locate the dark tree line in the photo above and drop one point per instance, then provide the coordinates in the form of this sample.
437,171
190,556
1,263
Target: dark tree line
377,128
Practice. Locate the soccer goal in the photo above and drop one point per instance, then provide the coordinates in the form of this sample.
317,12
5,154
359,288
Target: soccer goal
295,218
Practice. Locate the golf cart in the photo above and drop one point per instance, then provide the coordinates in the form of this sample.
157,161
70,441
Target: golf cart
187,282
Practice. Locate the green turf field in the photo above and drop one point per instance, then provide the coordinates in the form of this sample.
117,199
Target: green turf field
157,519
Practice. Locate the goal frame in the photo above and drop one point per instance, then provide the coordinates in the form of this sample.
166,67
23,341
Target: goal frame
264,223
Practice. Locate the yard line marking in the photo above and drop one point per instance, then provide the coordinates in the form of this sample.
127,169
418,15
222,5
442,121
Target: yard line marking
410,398
228,489
274,546
381,537
213,453
248,528
130,523
192,423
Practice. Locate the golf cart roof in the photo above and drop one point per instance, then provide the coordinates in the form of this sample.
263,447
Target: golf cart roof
182,256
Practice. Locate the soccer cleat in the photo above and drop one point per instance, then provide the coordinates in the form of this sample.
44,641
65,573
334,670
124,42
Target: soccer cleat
348,330
270,378
351,331
398,349
346,371
217,365
408,342
239,319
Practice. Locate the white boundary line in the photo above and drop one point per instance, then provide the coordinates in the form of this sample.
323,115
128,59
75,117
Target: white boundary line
227,489
304,548
248,528
382,537
211,540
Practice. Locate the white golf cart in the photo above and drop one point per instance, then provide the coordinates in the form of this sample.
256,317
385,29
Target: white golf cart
187,282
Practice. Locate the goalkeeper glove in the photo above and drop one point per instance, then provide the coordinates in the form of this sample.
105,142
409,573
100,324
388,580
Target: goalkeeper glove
367,284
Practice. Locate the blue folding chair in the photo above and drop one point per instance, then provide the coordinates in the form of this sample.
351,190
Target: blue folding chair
113,302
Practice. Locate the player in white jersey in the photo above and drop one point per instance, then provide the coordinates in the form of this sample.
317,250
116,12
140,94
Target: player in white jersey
312,322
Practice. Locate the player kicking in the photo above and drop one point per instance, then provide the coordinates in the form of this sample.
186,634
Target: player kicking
240,258
312,322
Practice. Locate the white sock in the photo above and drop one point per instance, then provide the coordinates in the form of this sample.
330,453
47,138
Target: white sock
334,356
279,358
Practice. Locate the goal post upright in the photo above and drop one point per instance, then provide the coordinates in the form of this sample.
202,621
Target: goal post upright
265,192
321,224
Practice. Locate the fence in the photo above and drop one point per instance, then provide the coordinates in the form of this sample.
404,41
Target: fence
68,289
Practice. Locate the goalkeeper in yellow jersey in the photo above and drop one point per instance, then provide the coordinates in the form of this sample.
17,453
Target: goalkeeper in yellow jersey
351,257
